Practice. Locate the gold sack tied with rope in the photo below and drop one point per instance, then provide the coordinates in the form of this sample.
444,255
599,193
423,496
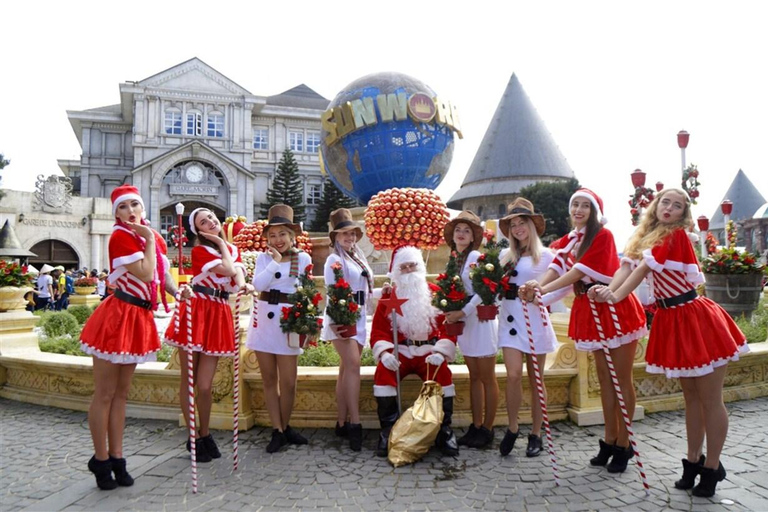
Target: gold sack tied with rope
416,430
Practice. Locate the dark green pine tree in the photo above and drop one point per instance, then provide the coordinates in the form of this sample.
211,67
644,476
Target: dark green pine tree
332,199
286,188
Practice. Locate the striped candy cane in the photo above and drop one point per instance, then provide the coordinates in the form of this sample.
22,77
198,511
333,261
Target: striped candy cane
540,385
191,391
236,384
616,387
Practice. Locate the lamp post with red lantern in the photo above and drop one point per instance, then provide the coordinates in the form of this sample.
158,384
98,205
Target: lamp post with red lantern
727,208
682,142
703,222
180,236
641,197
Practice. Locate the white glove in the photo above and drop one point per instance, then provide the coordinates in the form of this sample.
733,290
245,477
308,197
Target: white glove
389,361
435,359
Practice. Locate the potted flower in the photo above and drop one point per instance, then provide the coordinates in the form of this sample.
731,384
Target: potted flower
342,307
301,320
486,275
86,285
15,282
734,279
451,295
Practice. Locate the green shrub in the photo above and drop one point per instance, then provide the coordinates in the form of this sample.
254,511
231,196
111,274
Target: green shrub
82,313
322,355
756,329
366,359
60,323
62,345
164,355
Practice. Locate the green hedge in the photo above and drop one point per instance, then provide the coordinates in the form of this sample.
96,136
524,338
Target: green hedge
82,313
59,323
62,345
756,329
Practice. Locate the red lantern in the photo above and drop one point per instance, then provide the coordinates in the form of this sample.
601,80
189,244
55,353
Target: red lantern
682,139
659,186
638,178
726,207
703,222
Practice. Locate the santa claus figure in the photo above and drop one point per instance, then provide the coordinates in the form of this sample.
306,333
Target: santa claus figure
423,346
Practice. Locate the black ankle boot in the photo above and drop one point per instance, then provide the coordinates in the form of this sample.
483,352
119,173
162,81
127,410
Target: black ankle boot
690,470
201,454
483,437
355,436
387,411
342,430
277,442
102,469
294,437
534,446
508,442
121,474
210,446
708,483
601,459
446,439
620,458
469,435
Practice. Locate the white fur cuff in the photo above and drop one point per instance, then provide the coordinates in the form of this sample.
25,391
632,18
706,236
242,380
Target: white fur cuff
446,348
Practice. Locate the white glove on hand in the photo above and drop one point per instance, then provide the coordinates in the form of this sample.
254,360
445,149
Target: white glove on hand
435,359
389,361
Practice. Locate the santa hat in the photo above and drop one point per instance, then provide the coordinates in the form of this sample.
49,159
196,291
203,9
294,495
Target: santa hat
125,193
405,254
597,203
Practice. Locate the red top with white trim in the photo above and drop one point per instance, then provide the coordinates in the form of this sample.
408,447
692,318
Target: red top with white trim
205,259
675,266
125,247
599,263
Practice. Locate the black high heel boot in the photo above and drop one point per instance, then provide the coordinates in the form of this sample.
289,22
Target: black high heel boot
103,471
387,411
534,446
620,459
355,436
708,483
508,442
201,454
469,435
601,459
690,471
342,430
121,474
210,446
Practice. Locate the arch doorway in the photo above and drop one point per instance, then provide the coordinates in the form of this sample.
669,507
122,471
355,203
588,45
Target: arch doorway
54,252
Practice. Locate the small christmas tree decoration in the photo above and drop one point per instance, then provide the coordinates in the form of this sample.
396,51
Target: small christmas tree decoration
486,275
302,319
342,307
451,296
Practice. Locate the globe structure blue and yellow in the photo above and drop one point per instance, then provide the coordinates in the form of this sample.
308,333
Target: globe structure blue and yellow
394,154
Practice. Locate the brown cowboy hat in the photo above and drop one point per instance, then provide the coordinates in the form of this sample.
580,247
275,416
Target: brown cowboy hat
281,215
469,218
521,207
341,220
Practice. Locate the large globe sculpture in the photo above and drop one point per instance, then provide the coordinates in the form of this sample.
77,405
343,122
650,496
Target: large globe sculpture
387,130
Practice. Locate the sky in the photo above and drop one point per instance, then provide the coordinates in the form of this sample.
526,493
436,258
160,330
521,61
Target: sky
613,81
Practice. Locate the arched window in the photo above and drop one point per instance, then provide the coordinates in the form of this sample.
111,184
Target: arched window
215,124
172,123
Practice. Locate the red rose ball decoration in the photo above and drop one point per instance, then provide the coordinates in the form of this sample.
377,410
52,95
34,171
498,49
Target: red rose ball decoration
251,238
406,216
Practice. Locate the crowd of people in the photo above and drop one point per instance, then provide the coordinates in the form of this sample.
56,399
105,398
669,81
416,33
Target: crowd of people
692,339
55,285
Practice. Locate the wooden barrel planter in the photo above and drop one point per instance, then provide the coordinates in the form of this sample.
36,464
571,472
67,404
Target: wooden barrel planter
738,294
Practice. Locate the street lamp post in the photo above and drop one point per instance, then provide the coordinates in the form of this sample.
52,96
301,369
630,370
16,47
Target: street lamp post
179,237
727,208
703,222
682,142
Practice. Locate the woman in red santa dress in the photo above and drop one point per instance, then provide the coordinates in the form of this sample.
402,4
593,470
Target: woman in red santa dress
585,257
692,338
121,332
218,271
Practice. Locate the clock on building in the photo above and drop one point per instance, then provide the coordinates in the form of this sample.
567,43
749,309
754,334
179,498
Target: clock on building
194,173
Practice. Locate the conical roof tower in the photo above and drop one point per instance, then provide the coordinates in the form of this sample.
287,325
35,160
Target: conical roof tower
10,247
746,200
517,150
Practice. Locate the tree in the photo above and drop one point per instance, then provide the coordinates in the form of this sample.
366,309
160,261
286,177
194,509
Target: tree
286,188
332,199
551,199
3,163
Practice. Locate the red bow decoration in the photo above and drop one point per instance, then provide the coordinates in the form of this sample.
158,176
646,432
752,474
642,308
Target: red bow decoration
490,284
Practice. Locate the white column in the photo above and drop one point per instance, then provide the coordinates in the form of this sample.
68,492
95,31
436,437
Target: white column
95,252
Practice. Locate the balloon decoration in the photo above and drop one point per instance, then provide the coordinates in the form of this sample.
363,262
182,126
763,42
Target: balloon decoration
406,216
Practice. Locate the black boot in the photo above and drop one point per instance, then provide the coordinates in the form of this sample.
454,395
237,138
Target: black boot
103,471
294,437
620,458
121,474
601,459
534,446
446,439
469,435
690,470
201,454
508,442
708,482
278,441
210,446
483,438
387,410
342,430
355,436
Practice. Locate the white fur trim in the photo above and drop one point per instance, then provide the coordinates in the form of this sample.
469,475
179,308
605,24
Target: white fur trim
698,371
384,390
629,261
191,218
211,264
447,348
379,347
125,197
449,391
615,342
126,260
597,276
593,200
119,358
693,237
692,273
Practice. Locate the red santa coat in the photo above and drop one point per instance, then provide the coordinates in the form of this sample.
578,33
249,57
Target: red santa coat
412,358
598,264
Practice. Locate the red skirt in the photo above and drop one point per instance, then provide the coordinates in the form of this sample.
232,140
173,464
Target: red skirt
583,330
213,329
120,333
693,339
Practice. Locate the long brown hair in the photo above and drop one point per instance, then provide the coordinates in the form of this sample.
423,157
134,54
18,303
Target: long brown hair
592,229
200,240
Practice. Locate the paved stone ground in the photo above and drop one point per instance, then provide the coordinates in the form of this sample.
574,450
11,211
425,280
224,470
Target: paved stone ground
44,451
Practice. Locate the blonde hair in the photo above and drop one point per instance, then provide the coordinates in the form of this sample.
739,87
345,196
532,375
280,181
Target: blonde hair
516,249
651,231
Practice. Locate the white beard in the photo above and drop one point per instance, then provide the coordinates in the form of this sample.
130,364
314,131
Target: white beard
419,314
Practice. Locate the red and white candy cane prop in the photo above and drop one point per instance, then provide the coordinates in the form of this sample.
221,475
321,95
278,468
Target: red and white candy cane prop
615,380
236,384
539,383
191,392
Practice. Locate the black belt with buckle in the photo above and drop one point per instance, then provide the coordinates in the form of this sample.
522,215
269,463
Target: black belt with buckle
130,299
417,343
580,287
274,297
677,299
512,293
211,292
